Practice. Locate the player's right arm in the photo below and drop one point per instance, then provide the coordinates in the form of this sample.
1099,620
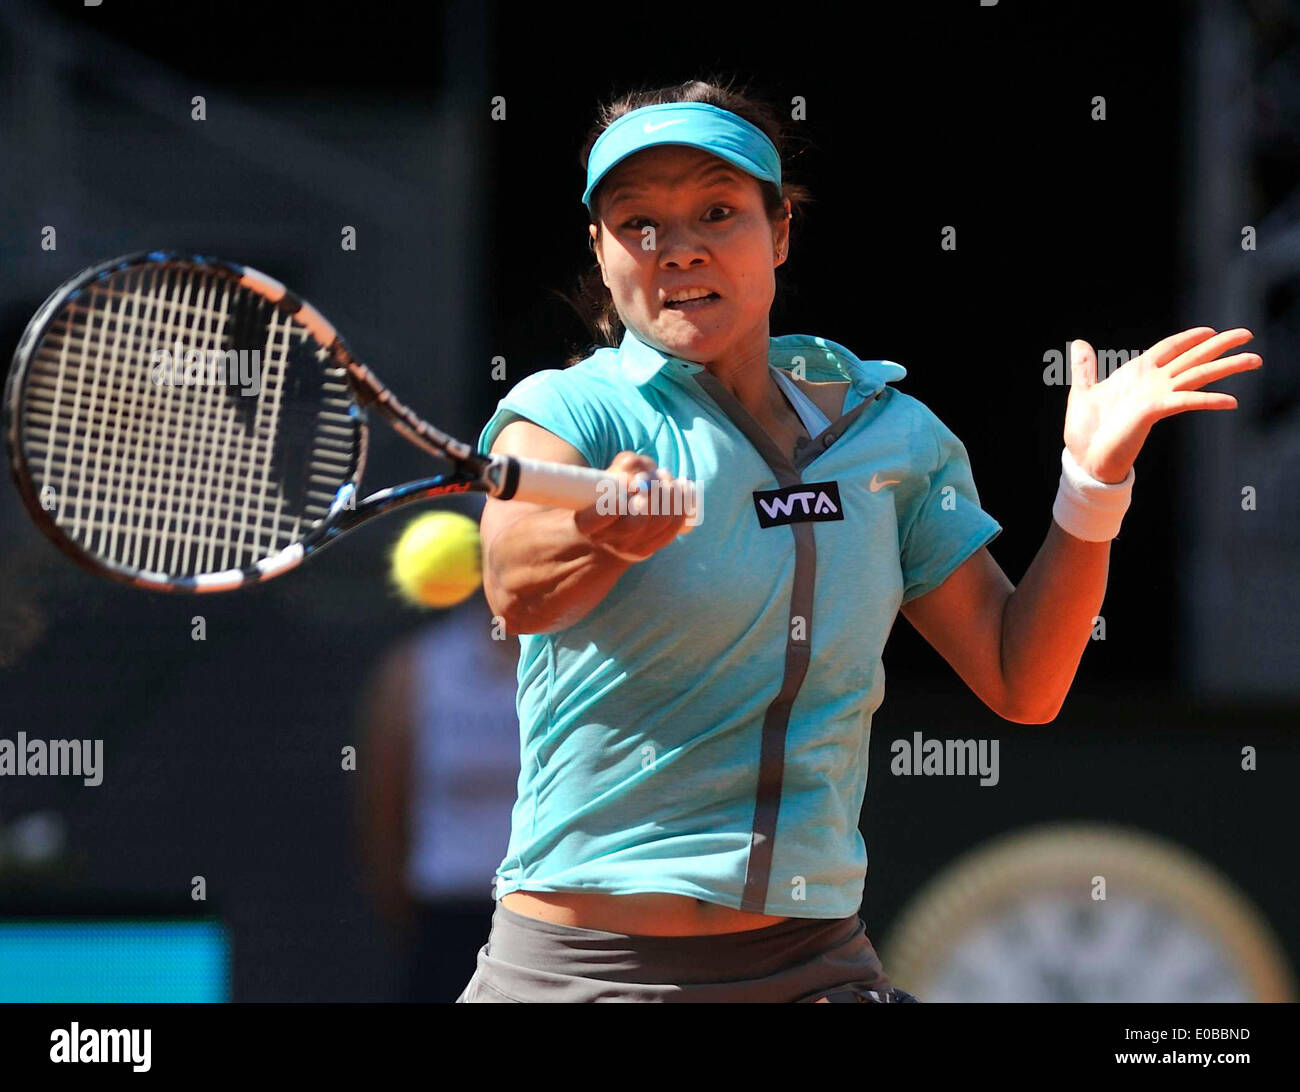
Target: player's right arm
547,568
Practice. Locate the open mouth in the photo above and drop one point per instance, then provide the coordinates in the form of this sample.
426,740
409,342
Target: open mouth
695,304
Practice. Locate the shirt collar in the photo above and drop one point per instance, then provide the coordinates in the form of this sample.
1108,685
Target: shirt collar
823,361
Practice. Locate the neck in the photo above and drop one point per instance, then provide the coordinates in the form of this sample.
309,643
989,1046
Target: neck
745,372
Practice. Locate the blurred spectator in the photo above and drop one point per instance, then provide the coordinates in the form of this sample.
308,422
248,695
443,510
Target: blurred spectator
439,766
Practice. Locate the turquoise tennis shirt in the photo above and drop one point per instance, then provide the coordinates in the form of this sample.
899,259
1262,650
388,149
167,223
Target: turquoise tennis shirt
704,730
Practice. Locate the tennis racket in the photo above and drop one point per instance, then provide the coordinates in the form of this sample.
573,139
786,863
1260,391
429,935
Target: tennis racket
182,423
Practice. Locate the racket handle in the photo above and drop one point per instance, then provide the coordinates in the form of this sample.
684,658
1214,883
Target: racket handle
555,484
559,485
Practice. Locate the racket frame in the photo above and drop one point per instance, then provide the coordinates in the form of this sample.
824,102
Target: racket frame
493,474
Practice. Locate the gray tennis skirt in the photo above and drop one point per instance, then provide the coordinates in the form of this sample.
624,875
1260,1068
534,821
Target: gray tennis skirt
796,960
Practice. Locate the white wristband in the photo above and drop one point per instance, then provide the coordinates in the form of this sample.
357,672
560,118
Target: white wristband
1089,509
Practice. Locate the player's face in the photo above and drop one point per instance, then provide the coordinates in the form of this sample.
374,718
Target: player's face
708,229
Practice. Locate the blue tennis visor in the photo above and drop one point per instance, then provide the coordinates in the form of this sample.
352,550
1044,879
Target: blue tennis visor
695,124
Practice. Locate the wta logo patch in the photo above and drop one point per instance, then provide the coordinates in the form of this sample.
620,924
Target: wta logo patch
807,502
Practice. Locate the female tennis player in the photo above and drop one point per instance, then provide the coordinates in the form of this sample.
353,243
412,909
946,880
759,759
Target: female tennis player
695,708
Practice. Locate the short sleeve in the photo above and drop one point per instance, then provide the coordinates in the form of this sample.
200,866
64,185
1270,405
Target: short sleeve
562,402
946,525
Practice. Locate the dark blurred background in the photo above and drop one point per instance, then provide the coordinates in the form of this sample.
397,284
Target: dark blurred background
223,756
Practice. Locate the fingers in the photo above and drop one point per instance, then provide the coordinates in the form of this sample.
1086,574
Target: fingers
1083,364
1193,378
1165,350
679,496
1206,350
636,538
639,502
645,526
1182,401
656,519
629,462
631,469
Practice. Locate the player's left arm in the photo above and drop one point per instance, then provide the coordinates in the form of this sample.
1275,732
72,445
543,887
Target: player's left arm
1018,647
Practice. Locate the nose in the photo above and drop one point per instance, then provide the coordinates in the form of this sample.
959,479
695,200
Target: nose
680,249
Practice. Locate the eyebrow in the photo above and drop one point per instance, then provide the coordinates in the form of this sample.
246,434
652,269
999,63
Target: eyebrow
712,176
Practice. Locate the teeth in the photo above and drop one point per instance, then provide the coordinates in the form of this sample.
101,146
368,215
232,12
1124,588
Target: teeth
689,294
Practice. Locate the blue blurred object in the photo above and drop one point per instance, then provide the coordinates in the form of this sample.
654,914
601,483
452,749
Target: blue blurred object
89,960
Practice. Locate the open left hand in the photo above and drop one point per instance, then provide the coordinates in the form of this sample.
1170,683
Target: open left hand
1107,423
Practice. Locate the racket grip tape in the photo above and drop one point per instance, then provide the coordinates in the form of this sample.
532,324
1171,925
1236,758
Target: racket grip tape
559,485
556,485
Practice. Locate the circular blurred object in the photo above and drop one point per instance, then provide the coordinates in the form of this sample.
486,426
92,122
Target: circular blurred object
1020,919
36,839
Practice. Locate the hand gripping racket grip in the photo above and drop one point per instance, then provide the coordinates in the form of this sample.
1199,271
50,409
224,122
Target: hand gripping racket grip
560,486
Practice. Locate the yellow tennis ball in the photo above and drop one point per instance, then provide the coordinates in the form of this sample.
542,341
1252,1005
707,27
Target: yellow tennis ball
437,561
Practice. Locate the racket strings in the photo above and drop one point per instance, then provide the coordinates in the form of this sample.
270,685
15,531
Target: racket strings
182,477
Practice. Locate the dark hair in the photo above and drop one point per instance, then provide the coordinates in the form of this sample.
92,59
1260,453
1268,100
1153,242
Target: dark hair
591,299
